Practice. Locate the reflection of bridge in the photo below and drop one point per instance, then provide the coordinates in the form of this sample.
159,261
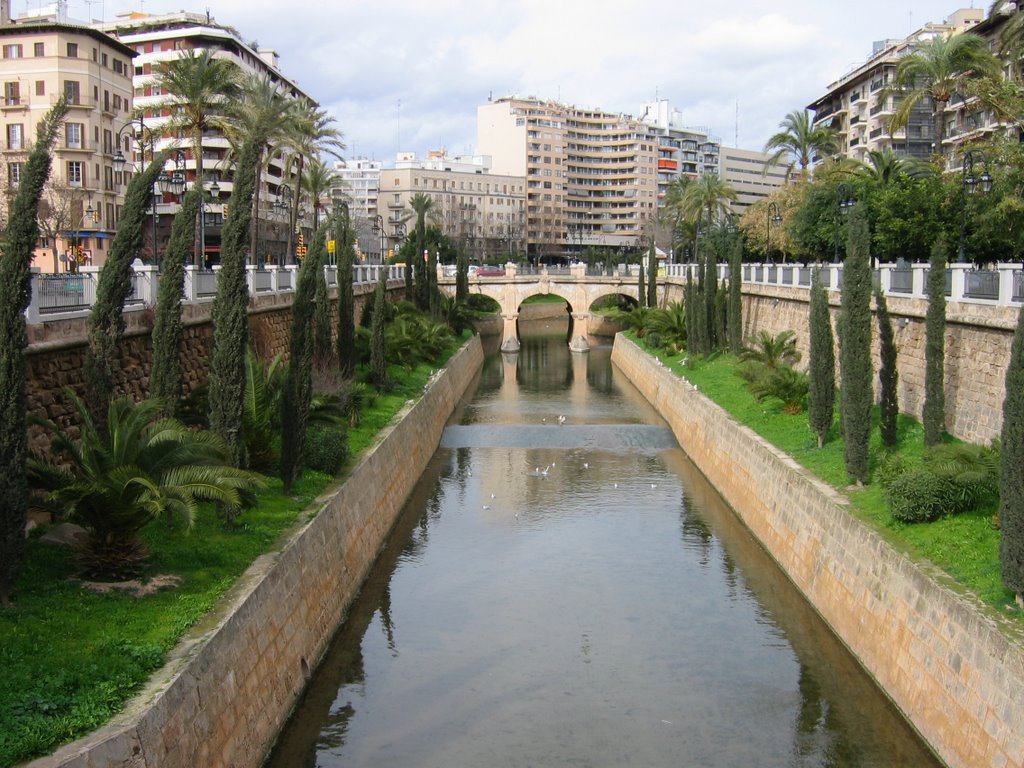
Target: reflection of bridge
579,289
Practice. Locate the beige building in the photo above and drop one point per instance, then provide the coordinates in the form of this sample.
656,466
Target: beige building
593,178
857,107
748,172
483,210
81,203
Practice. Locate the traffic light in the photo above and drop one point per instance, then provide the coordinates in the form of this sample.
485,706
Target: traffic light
300,249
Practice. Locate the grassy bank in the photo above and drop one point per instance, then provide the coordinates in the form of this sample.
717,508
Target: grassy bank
71,657
964,546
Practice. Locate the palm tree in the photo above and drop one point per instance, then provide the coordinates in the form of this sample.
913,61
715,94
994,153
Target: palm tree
885,166
935,71
261,109
317,180
673,210
801,140
309,133
1011,38
422,205
139,467
200,87
772,351
710,195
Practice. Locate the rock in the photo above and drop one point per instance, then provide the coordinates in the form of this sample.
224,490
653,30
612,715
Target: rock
65,534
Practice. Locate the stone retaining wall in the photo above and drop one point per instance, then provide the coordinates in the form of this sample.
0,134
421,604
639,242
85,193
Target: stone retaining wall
950,665
978,340
232,682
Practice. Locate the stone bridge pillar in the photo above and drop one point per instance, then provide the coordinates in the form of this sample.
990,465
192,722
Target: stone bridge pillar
579,342
509,336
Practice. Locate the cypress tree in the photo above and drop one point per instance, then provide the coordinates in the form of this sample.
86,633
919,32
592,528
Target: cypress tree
821,373
855,351
165,378
230,307
641,289
933,415
19,242
462,275
346,340
888,378
722,313
710,341
652,276
1011,468
430,278
735,323
298,388
689,302
106,318
378,363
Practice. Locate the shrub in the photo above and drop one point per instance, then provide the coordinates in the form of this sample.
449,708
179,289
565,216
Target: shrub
783,384
922,495
973,469
326,448
891,466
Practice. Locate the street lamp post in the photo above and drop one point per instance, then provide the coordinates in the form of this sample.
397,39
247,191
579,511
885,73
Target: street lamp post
120,161
968,185
774,217
399,236
844,202
283,204
378,229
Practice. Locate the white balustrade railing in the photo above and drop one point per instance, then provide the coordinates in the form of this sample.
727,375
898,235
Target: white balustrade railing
71,294
1002,285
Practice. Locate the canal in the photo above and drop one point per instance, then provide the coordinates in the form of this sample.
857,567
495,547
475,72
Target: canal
565,589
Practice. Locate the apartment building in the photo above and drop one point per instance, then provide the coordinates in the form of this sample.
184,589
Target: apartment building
857,107
156,38
594,178
81,203
483,210
748,172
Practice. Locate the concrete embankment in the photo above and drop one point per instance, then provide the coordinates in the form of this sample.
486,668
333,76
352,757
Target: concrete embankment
223,697
953,667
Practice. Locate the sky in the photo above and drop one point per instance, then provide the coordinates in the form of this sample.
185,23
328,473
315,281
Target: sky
408,75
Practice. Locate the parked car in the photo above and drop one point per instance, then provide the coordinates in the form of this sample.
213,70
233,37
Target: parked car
488,270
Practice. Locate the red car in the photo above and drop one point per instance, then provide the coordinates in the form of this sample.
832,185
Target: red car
489,271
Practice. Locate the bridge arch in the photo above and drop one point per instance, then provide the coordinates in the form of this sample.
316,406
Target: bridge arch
578,289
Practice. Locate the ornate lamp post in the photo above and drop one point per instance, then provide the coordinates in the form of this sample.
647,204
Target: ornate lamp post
378,229
774,217
968,185
844,202
138,128
399,236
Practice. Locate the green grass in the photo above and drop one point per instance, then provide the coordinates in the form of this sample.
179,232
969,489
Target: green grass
966,547
71,658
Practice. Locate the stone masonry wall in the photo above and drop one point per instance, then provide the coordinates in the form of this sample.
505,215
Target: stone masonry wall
978,340
954,669
232,682
56,352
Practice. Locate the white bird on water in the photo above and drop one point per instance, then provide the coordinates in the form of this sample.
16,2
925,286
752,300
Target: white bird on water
586,465
561,419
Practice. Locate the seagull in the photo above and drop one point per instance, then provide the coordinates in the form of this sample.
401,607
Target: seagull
544,420
653,485
487,506
561,419
492,495
586,465
616,485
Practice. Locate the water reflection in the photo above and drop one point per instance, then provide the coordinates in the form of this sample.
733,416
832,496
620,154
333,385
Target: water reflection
576,594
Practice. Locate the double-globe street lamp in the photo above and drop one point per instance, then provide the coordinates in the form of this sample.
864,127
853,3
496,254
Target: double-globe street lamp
283,204
378,229
139,132
844,202
969,184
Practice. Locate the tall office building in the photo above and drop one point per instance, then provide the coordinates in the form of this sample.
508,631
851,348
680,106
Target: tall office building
748,172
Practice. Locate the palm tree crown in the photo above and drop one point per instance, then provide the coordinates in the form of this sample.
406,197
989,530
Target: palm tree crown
800,140
936,70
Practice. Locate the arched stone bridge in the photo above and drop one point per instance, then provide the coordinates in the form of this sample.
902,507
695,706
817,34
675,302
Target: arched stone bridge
579,290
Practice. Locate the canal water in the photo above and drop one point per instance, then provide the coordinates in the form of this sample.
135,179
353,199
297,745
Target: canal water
565,589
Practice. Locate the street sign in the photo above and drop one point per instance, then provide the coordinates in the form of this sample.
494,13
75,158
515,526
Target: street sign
330,247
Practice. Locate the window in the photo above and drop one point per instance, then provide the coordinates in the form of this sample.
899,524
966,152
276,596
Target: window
73,135
74,173
12,94
14,174
39,49
104,61
72,92
40,87
12,51
15,136
119,66
72,50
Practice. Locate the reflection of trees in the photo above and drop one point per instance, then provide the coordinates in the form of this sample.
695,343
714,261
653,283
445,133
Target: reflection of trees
599,374
543,366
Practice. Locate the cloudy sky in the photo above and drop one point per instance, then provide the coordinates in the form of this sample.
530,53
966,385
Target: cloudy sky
408,74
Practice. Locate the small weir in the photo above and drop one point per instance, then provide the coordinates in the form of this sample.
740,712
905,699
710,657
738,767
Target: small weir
565,589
